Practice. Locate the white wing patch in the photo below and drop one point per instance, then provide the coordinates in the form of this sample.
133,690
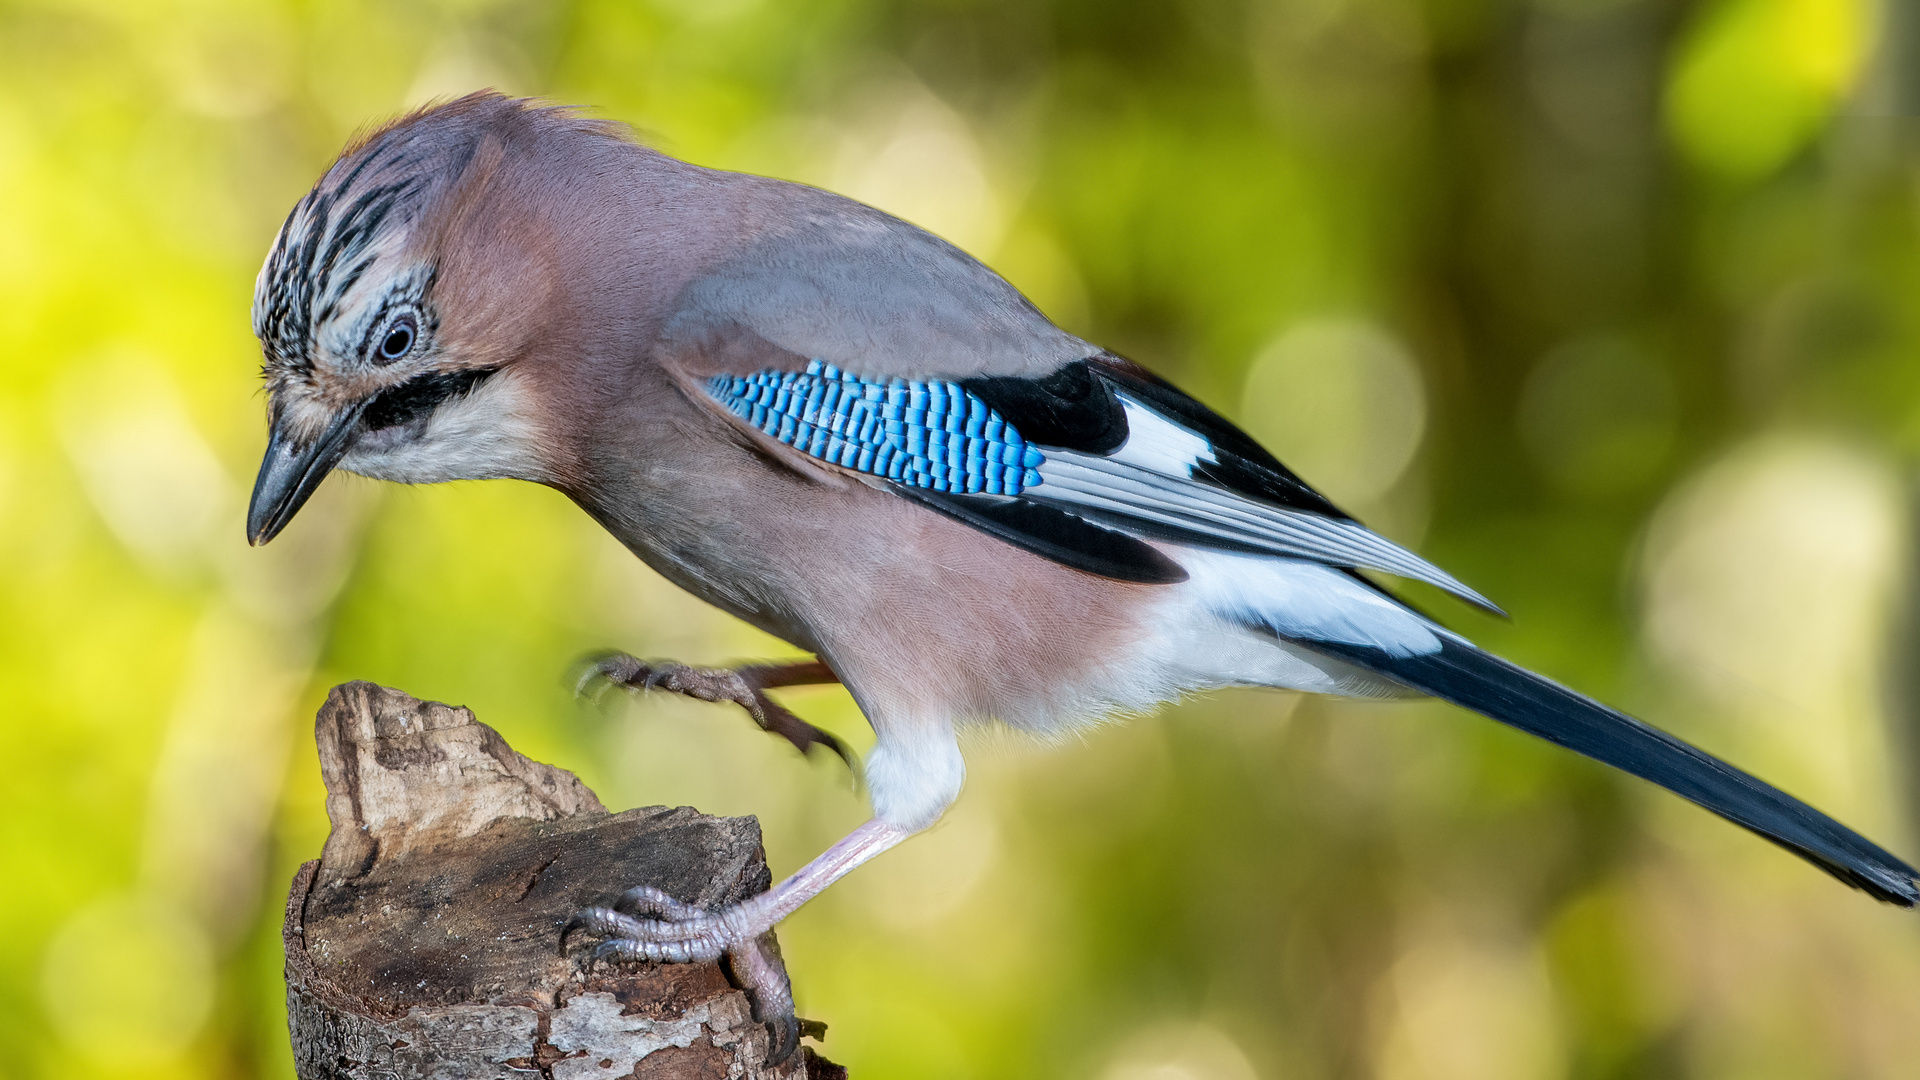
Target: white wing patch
1150,480
1159,445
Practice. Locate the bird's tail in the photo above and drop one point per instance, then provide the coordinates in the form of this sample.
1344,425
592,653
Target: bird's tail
1478,680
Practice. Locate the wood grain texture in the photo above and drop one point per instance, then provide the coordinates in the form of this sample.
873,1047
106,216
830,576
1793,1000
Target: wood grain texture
426,940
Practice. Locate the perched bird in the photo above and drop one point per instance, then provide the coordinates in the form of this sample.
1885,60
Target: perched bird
851,434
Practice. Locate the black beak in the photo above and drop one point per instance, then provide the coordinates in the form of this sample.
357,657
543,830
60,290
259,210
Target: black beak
290,473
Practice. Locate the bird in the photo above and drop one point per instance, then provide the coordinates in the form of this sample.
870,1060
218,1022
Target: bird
849,433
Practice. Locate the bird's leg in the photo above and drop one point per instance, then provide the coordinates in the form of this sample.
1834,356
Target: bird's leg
647,924
744,686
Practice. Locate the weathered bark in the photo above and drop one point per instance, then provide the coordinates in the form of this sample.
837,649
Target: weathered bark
425,941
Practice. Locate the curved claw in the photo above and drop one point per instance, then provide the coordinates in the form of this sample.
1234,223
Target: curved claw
784,1038
591,684
779,720
598,674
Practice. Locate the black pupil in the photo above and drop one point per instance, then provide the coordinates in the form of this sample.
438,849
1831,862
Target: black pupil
398,341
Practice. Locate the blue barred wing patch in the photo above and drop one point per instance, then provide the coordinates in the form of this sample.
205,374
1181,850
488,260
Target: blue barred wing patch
932,435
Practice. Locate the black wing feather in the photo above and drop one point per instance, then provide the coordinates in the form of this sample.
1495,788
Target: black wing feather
1079,408
1071,408
1243,466
1511,694
1057,535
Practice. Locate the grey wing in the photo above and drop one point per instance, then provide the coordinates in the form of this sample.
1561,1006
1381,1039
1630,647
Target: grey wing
855,312
1083,467
824,277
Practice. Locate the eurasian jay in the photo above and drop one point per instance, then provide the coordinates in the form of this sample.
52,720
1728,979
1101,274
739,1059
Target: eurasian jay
854,436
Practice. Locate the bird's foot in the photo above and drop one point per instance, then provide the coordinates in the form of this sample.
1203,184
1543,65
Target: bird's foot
647,924
743,686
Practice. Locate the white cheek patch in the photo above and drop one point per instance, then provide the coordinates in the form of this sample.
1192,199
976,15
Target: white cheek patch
488,433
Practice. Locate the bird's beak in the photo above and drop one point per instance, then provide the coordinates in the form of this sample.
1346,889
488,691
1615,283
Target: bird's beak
290,473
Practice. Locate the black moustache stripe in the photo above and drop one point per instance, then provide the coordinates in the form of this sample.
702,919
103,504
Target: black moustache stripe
419,396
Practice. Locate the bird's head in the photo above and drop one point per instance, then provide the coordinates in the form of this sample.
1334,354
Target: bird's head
396,304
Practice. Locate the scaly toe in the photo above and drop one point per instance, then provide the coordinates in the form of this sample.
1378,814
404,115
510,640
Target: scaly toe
666,676
685,947
645,901
598,921
617,951
704,684
687,935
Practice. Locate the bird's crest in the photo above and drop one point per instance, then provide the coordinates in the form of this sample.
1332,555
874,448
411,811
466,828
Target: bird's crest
364,207
329,240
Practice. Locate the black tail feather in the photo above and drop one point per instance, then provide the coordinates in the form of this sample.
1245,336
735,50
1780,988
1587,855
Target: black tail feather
1480,681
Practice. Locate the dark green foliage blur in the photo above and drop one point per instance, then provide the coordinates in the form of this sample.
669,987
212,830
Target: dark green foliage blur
1608,306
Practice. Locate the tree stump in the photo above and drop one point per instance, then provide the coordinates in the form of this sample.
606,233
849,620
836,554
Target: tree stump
425,941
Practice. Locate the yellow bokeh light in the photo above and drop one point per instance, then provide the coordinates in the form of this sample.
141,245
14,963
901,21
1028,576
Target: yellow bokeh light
1754,81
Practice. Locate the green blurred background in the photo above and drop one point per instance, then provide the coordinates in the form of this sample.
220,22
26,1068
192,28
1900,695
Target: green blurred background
1606,305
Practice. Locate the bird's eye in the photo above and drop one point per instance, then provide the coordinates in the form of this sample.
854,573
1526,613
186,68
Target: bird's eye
398,340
